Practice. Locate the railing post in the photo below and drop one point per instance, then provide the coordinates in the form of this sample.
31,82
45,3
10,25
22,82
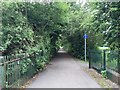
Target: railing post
4,76
119,68
90,62
104,59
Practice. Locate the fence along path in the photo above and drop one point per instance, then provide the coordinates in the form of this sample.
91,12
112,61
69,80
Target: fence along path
63,72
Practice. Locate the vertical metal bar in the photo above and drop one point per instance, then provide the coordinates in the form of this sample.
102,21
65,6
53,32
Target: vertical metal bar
101,53
4,82
18,73
119,68
2,75
90,60
104,59
118,61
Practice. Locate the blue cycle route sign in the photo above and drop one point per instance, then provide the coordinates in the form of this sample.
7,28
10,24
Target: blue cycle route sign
85,36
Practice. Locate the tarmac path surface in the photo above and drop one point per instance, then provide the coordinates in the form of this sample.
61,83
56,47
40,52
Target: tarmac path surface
63,72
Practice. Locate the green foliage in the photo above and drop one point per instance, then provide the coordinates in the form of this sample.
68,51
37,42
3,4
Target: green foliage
36,27
104,73
76,43
106,22
32,28
39,29
112,60
17,34
99,20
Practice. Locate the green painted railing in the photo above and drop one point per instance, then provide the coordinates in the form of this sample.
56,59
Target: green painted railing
15,71
105,60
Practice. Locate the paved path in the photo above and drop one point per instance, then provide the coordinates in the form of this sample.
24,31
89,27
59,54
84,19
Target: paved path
64,72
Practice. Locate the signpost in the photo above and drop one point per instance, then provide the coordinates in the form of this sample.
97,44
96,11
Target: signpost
85,37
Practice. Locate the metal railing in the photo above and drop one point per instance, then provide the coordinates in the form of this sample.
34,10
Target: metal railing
107,61
104,60
15,72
